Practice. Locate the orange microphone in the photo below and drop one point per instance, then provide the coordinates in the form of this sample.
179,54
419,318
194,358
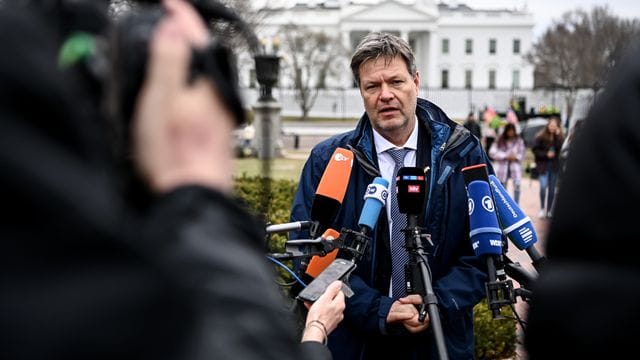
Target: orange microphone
331,189
317,264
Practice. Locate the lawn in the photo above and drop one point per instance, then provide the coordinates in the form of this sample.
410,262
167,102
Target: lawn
288,167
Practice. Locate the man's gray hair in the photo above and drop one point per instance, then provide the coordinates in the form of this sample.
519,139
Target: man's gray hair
377,45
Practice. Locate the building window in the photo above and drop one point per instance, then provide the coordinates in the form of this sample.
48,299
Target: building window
445,79
412,44
445,46
492,79
468,46
252,78
516,46
468,77
516,79
492,46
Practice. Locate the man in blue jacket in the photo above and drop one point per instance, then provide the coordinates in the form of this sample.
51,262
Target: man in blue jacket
379,323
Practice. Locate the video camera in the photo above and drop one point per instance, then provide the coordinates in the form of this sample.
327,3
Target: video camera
114,61
128,46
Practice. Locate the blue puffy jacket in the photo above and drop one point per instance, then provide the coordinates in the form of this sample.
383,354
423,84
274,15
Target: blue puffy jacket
458,276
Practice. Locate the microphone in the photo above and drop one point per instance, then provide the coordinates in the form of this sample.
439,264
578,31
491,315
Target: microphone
304,248
484,229
327,271
411,191
286,227
331,190
516,225
375,198
318,263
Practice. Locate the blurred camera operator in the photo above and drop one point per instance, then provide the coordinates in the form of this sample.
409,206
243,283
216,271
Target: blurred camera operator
86,277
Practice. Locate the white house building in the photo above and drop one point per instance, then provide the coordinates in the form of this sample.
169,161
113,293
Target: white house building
456,47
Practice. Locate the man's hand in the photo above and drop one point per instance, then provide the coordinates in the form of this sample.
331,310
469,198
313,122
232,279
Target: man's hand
404,310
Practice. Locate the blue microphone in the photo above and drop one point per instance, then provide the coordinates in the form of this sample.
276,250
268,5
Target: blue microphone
517,226
485,233
485,230
375,198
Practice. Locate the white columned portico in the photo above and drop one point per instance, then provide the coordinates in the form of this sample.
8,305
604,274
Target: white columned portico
404,34
432,52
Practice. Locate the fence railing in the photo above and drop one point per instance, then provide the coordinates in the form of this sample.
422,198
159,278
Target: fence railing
457,103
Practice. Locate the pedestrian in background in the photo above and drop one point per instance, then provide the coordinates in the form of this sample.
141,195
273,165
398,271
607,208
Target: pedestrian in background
507,153
585,301
472,124
546,149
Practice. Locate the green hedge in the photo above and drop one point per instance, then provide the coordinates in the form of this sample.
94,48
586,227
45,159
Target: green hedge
271,200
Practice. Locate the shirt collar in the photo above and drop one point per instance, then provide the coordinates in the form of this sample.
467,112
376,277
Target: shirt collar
383,144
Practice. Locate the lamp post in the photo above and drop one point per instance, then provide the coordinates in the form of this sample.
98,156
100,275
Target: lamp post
267,109
267,70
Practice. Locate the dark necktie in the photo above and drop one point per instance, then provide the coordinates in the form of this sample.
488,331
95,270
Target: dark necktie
399,255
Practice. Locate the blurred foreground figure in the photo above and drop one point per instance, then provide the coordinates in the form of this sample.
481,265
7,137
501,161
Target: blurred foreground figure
86,277
585,304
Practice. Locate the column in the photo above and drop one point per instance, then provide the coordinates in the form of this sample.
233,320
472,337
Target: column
432,63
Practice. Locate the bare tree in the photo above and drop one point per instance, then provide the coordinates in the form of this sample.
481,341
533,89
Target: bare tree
579,50
310,59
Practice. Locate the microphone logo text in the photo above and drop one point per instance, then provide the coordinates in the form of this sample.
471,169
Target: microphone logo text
487,203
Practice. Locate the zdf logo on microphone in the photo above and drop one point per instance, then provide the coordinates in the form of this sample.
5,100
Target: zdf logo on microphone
340,157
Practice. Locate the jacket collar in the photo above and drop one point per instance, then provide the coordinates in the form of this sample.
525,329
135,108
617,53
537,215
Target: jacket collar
428,114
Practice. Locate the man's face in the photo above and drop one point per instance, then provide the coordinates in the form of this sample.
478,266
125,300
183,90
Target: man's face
390,94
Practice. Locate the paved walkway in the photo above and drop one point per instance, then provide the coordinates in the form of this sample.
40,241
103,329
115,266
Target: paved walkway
530,204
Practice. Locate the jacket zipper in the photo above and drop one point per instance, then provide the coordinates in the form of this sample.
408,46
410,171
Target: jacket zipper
444,150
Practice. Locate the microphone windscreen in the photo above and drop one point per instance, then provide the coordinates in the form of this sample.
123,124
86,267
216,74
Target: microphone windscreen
411,188
484,229
317,264
515,223
375,198
332,187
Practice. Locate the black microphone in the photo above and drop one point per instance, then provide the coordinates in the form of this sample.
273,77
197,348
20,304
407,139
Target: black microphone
321,246
411,190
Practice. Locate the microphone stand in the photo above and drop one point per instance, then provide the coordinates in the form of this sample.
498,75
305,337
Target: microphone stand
418,258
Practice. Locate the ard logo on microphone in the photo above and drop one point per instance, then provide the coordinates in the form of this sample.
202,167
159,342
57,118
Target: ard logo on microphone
487,203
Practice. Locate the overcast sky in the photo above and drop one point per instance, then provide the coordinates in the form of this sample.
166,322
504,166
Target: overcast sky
544,11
